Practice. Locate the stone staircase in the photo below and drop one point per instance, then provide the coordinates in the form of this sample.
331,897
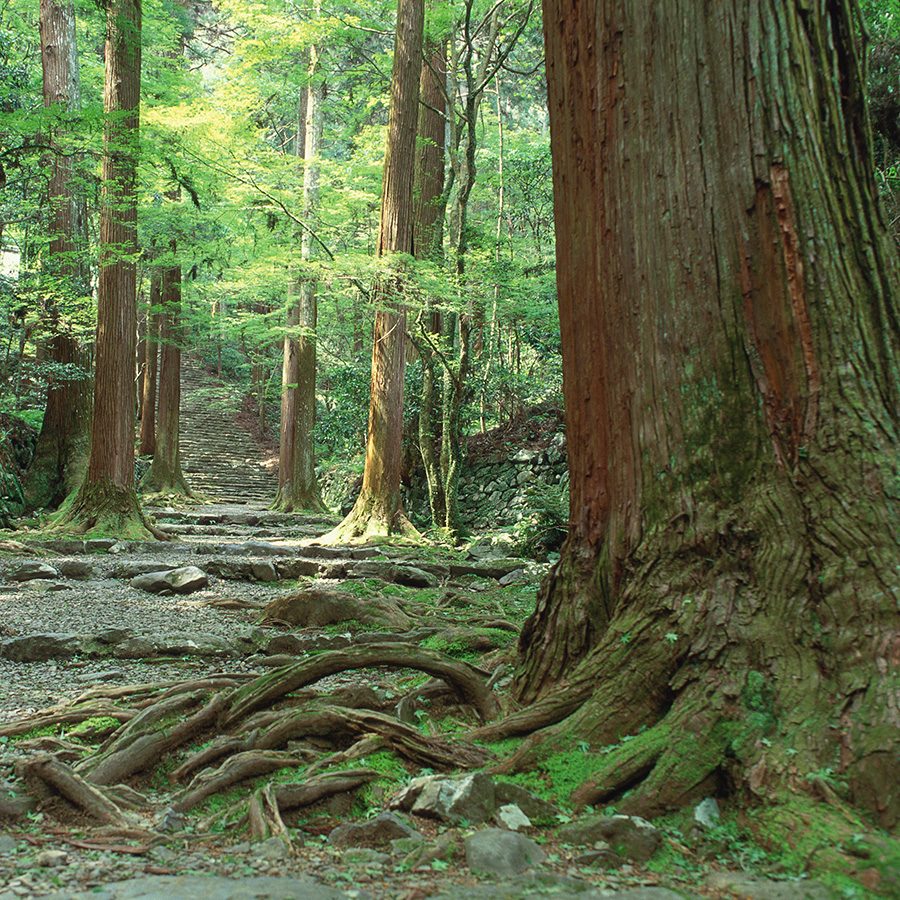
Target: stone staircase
219,457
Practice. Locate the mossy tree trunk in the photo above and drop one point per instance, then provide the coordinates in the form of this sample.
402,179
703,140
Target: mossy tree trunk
378,511
61,452
107,502
298,487
428,239
727,592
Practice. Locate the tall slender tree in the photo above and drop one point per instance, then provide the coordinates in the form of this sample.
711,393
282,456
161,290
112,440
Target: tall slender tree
378,510
107,501
61,451
298,487
147,444
727,292
165,475
428,239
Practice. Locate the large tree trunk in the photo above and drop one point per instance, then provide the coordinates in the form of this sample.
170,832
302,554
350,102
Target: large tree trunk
61,452
726,594
428,239
378,510
107,502
165,475
147,446
298,485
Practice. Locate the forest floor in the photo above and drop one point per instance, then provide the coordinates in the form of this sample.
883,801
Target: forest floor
109,634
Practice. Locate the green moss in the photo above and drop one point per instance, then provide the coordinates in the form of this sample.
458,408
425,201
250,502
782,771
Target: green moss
94,729
44,731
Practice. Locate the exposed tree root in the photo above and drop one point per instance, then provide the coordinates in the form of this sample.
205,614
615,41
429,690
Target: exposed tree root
264,817
468,681
237,768
65,716
56,777
148,737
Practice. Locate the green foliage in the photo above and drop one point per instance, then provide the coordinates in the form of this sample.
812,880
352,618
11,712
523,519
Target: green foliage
543,529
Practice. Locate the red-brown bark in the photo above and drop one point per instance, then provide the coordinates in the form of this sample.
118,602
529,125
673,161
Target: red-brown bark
727,592
379,510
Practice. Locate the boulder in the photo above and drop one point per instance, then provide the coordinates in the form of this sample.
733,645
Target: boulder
31,570
184,580
631,837
39,647
470,798
377,832
493,546
318,606
192,644
498,852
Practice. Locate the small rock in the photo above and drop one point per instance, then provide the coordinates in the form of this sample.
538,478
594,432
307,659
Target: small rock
7,844
104,675
39,647
32,570
96,545
535,808
629,836
273,849
602,858
263,570
364,856
377,832
75,568
517,576
498,852
171,821
453,800
512,818
185,580
51,859
706,813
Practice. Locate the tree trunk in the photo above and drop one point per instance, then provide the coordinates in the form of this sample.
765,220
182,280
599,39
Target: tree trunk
107,502
428,239
147,445
61,452
378,510
165,475
298,485
726,594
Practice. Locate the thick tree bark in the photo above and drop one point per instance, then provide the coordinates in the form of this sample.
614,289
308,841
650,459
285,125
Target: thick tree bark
61,452
378,511
428,239
107,501
298,485
727,592
147,446
165,475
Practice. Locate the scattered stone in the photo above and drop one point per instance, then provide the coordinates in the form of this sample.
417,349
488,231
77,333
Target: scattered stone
511,818
395,573
470,798
706,813
184,580
274,848
517,576
750,888
319,606
377,832
629,836
498,852
39,647
51,859
535,808
493,546
32,570
75,568
42,586
364,856
209,887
